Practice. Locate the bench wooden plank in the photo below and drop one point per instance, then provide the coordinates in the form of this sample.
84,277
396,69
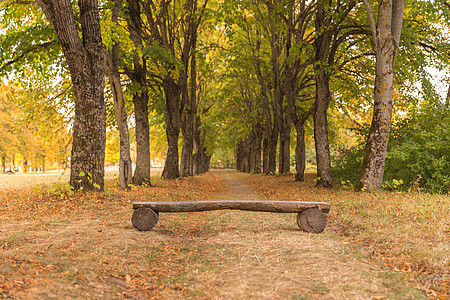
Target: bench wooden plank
252,205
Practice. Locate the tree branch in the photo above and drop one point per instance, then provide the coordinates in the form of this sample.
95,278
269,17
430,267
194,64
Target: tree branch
445,3
372,23
23,54
398,8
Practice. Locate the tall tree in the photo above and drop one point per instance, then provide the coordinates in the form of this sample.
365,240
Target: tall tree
138,75
323,26
85,57
331,33
172,34
125,164
386,32
298,77
189,89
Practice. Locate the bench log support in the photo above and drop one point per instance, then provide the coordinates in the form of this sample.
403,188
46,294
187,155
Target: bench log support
311,215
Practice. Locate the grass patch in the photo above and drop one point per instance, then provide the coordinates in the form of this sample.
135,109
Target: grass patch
85,247
406,233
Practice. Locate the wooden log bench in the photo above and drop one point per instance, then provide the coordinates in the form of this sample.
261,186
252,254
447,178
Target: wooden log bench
311,215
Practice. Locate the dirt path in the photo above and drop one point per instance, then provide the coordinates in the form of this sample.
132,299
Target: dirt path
262,255
85,248
237,189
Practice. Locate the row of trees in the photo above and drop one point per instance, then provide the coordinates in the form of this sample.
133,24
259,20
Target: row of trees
297,49
220,73
25,142
153,44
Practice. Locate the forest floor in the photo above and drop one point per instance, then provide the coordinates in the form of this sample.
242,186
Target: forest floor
383,245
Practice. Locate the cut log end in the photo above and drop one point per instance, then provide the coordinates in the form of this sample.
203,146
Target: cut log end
312,220
144,219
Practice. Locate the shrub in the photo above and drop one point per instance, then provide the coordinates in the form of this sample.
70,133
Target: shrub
418,153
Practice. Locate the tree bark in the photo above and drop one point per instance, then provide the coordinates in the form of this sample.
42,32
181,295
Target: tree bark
190,112
284,162
125,163
86,61
142,171
173,124
323,96
385,41
164,31
251,205
140,98
447,100
200,157
186,162
239,154
256,149
265,151
300,154
270,119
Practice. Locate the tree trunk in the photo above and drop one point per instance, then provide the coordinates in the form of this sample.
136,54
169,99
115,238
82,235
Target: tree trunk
186,161
300,154
190,111
256,149
140,98
265,155
246,155
271,129
201,158
323,97
284,163
447,100
125,163
173,123
272,151
186,129
201,162
239,156
142,171
86,61
385,44
251,155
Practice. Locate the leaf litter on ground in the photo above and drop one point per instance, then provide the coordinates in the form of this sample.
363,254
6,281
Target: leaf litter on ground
84,245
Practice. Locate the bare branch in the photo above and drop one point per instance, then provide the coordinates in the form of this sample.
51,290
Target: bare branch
398,8
373,26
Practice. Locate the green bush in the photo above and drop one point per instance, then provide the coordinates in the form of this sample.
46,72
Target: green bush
419,150
347,164
418,154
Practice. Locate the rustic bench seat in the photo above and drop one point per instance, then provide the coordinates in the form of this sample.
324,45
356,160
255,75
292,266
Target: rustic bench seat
311,215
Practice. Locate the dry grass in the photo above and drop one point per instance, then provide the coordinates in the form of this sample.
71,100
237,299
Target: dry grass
21,180
405,233
85,247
